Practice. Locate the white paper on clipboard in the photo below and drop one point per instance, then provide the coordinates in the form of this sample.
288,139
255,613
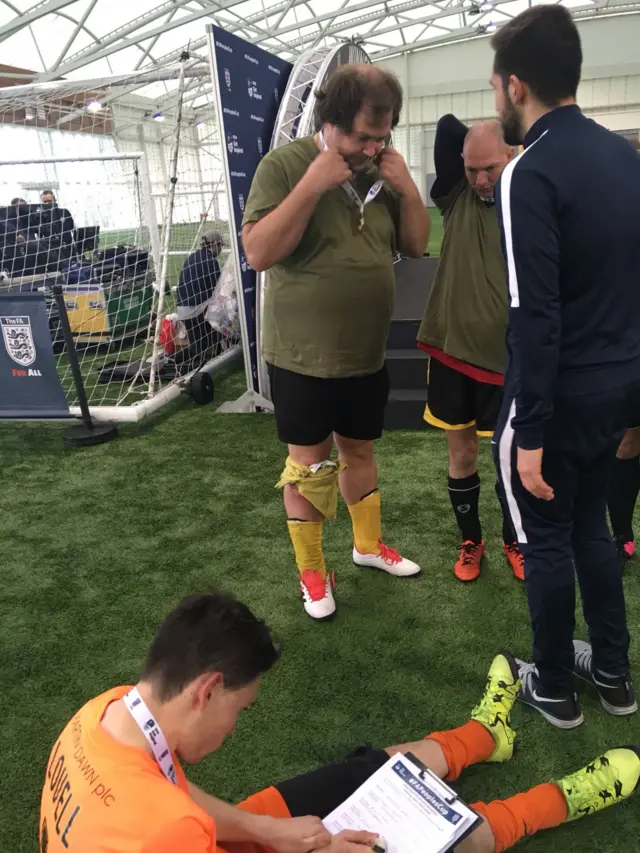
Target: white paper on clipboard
409,807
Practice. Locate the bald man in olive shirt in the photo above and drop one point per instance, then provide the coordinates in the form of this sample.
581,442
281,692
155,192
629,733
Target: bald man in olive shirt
465,322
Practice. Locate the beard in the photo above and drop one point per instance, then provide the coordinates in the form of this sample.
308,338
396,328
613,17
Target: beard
511,125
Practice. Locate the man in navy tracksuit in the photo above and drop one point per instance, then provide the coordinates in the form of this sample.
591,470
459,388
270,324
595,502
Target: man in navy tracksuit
568,208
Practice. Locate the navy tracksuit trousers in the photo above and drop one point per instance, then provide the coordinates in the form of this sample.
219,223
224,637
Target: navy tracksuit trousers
569,536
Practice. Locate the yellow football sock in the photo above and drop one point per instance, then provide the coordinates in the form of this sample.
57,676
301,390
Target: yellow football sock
307,544
367,523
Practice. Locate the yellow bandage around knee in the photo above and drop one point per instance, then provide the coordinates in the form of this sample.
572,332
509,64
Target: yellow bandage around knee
317,484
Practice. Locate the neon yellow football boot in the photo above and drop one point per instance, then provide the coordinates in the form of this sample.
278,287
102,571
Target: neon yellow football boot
609,779
494,710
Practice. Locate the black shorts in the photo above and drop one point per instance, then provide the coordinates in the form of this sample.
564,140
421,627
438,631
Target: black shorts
308,410
322,791
456,401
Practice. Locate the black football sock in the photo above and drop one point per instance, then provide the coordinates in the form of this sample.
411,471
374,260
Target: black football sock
508,533
465,495
623,494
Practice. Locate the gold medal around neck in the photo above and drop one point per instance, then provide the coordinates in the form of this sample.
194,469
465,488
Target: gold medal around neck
351,190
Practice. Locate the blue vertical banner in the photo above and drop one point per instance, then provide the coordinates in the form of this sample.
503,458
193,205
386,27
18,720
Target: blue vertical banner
29,382
249,84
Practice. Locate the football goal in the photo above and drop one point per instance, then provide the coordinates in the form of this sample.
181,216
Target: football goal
113,189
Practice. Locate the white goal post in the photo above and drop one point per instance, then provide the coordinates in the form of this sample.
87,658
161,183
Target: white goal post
133,166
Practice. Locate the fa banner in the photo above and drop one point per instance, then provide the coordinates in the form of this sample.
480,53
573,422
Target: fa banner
29,382
249,84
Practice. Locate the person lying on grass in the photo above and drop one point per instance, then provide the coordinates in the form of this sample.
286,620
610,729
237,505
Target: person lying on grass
114,781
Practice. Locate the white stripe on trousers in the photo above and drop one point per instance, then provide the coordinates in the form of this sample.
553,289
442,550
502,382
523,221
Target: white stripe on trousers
505,449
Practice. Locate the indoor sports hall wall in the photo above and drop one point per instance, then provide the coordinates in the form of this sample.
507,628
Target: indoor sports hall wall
609,92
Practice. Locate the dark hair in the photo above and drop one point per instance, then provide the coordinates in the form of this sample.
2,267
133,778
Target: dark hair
47,192
18,201
209,633
542,48
353,88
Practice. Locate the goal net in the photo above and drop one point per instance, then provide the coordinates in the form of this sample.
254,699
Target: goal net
113,190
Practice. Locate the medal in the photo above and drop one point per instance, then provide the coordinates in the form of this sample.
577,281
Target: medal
353,194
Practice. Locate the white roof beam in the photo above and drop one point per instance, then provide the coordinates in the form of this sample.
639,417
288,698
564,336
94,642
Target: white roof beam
596,9
25,19
379,16
282,15
370,19
122,44
457,34
117,93
330,17
118,39
329,22
247,23
353,20
73,36
37,47
154,41
465,34
171,57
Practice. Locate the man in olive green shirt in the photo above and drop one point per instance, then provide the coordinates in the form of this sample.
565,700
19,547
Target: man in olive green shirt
465,322
326,216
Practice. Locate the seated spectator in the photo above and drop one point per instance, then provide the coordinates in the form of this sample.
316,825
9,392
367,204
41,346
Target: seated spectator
200,272
21,236
54,225
196,285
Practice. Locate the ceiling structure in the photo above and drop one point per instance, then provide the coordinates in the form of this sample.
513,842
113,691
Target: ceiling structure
80,39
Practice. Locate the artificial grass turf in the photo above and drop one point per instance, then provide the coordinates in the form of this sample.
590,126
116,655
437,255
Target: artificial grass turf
99,544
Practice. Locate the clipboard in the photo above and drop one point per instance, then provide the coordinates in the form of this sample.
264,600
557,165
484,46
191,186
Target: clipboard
450,796
409,807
